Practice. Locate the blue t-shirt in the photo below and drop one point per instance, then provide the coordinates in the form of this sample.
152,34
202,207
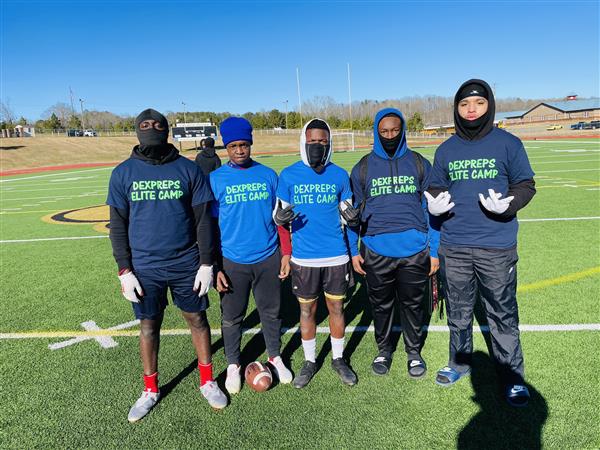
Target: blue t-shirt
468,168
244,202
159,200
317,232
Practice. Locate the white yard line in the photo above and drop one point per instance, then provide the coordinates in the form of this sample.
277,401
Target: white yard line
567,161
11,190
61,174
101,335
569,170
73,238
558,219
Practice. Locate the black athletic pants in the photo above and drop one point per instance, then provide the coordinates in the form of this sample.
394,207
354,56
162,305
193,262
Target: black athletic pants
262,278
491,273
404,280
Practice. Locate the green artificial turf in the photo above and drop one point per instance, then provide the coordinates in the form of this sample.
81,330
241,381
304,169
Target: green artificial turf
78,396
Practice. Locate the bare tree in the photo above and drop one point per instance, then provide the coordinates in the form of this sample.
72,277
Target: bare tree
6,113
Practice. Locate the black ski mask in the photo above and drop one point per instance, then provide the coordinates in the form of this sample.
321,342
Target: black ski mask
153,140
317,153
391,145
472,130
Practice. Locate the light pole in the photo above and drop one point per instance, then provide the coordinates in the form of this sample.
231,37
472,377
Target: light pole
184,119
286,114
82,118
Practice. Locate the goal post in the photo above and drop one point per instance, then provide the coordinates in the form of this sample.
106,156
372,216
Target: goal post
343,141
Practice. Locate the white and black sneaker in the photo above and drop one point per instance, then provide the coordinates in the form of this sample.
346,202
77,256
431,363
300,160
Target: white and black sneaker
143,405
214,395
233,382
283,373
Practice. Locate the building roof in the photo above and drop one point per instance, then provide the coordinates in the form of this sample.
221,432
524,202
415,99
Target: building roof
508,115
572,105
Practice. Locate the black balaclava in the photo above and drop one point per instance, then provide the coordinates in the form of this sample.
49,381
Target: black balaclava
390,145
153,143
317,153
473,130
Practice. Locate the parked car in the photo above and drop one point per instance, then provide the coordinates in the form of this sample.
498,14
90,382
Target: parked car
74,133
595,124
90,133
553,127
577,126
587,125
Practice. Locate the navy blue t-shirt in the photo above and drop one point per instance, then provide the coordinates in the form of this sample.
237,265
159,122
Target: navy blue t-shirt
244,203
160,201
468,168
317,232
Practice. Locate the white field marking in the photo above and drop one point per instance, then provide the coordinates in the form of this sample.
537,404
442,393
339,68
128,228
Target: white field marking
12,209
59,197
62,174
560,181
569,170
54,188
593,189
68,238
72,179
570,141
570,185
33,204
575,150
567,161
105,341
74,238
558,219
122,331
571,157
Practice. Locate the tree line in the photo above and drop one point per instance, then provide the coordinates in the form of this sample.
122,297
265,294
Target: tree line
419,111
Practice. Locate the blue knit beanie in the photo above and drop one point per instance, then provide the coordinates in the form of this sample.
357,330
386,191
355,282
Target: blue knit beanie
236,129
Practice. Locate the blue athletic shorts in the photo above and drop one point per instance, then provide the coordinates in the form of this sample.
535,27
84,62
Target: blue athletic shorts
155,284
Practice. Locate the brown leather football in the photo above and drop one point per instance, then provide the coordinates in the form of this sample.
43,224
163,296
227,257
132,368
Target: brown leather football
258,376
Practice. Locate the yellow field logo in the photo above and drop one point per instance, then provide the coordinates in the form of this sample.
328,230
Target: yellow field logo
98,216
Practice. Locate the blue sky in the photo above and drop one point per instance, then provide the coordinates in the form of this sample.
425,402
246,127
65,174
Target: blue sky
124,56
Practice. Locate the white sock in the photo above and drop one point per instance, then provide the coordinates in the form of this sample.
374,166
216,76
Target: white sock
310,348
337,347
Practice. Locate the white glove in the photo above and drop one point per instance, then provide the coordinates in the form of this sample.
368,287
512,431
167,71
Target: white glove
440,204
204,279
129,286
494,203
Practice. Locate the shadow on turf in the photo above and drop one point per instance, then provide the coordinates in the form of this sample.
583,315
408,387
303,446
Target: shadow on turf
498,425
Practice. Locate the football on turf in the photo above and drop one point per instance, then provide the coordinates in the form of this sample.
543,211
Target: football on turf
258,376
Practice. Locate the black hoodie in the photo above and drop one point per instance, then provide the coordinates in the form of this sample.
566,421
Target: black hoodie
208,160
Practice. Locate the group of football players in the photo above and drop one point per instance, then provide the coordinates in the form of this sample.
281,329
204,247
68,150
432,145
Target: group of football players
242,228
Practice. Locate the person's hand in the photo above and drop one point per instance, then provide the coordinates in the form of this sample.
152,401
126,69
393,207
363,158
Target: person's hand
283,215
357,262
129,286
285,268
204,278
350,215
435,265
222,283
440,204
494,203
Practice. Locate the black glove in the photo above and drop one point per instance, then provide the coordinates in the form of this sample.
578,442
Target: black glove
285,215
350,214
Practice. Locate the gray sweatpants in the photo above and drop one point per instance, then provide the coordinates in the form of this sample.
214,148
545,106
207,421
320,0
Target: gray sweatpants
490,274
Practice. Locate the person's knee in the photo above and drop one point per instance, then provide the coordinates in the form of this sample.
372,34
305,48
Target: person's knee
197,321
150,329
307,310
335,304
